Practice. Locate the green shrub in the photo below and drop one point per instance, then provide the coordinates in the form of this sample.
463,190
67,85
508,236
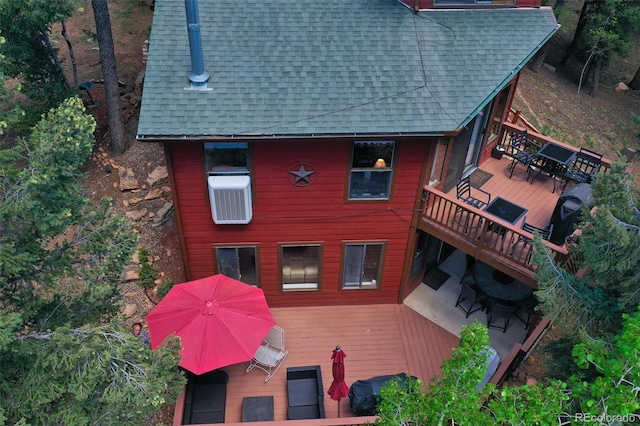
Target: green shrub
148,274
164,288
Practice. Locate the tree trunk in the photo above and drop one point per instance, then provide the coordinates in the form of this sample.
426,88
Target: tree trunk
119,143
595,81
582,21
538,59
74,65
635,83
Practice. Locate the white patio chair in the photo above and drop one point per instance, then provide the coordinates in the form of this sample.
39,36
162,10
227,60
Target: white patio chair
270,354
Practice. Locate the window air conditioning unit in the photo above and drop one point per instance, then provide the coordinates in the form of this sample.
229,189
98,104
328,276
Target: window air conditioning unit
230,198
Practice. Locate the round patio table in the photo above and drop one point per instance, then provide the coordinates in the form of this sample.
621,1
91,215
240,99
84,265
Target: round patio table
499,285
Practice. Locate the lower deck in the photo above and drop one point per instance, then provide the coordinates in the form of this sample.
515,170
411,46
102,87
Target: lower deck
378,340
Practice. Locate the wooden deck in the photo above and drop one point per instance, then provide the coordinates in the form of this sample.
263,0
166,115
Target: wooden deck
378,340
472,230
536,197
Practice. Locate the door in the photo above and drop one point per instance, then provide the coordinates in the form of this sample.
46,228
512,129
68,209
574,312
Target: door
478,128
428,254
466,149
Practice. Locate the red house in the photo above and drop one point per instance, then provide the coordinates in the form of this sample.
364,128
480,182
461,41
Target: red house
300,135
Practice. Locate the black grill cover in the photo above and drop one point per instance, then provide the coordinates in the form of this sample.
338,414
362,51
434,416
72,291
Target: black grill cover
567,211
364,394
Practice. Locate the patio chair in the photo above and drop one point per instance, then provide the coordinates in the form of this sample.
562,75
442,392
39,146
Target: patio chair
544,233
478,198
471,299
499,315
526,309
270,354
205,397
523,151
584,168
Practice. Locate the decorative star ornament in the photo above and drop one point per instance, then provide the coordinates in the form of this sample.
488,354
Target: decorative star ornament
302,174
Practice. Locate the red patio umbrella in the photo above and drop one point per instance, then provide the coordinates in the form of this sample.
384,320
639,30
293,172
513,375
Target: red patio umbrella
338,388
220,321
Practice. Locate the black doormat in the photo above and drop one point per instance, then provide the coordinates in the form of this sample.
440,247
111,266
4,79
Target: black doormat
479,178
436,279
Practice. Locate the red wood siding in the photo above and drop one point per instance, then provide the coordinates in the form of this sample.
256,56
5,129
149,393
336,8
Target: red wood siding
284,213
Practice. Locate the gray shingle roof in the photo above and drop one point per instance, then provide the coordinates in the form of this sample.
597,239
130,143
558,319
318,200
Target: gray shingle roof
332,67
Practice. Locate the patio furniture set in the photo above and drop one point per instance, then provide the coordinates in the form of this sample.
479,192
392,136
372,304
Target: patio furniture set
484,288
205,396
191,311
503,209
554,160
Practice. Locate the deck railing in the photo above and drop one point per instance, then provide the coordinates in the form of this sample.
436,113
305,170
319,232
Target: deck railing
504,139
485,237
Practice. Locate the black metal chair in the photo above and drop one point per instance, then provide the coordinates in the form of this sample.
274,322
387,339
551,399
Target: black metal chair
523,151
526,309
584,168
544,233
478,198
471,299
499,313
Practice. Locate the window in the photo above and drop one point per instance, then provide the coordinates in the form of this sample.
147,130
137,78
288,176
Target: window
438,162
227,158
238,262
371,170
362,265
300,267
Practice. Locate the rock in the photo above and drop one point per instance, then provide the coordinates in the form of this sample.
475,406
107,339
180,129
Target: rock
131,295
132,201
531,381
135,258
628,153
169,253
154,193
129,310
550,68
621,87
163,214
128,181
166,188
136,215
131,273
158,174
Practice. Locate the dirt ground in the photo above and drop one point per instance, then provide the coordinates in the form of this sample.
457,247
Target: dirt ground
548,99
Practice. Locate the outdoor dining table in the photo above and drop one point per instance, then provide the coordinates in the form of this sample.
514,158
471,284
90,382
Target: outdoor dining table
505,210
555,158
499,285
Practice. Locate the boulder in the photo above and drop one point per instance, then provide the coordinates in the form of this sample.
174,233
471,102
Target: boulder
158,174
128,181
129,310
136,215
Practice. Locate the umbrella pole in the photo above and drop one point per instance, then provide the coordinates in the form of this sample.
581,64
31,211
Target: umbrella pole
338,408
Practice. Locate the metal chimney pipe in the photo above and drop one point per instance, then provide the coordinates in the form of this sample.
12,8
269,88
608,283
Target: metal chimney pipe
198,75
